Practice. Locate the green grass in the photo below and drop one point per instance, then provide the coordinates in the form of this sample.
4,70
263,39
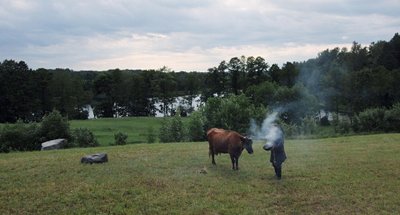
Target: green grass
135,127
345,175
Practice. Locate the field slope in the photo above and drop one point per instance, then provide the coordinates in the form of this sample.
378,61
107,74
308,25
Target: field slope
345,175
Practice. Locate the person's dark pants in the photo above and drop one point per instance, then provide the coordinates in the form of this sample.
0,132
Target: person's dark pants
278,170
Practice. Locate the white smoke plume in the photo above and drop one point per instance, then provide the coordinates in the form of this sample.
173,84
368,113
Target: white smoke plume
268,131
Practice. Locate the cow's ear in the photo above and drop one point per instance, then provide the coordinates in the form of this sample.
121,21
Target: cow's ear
248,139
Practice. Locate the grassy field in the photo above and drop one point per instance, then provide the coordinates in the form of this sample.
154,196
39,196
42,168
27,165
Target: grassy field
136,128
345,175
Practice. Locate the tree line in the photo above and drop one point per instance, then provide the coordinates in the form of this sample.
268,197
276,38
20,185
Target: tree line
338,80
28,94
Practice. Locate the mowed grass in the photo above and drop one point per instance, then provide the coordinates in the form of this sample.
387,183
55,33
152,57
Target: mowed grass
345,175
137,128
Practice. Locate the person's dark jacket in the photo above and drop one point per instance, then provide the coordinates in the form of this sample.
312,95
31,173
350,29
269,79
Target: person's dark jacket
278,155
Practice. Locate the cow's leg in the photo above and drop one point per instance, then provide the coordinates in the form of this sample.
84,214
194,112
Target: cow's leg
233,161
212,156
237,162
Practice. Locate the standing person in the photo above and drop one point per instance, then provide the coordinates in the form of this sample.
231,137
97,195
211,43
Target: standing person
275,145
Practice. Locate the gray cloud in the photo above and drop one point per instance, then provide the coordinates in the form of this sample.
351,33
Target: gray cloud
149,34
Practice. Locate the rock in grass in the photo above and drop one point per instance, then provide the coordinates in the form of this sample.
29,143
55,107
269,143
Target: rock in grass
54,144
95,158
203,170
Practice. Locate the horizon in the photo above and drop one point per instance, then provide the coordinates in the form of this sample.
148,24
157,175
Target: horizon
185,36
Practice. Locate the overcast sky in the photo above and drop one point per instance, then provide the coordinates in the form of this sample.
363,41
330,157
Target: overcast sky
185,35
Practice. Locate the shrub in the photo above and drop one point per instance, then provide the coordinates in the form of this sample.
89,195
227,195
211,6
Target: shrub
392,117
54,126
378,119
151,137
120,138
290,130
308,126
233,112
19,137
177,129
258,113
356,124
343,126
172,130
372,120
165,134
211,112
83,137
196,127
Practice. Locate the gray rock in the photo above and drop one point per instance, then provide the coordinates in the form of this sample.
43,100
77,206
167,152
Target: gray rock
54,144
95,158
203,170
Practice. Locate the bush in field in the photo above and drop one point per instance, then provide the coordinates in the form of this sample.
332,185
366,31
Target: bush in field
28,137
196,127
211,112
177,129
151,137
371,120
343,126
19,137
83,137
54,126
120,138
355,125
164,134
290,130
172,130
308,126
233,112
392,117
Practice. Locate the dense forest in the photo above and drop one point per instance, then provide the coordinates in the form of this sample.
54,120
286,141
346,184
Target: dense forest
341,81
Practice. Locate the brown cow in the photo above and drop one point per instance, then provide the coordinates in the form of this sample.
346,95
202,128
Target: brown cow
223,141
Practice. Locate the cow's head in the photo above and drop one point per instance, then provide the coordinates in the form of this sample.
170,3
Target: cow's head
248,144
